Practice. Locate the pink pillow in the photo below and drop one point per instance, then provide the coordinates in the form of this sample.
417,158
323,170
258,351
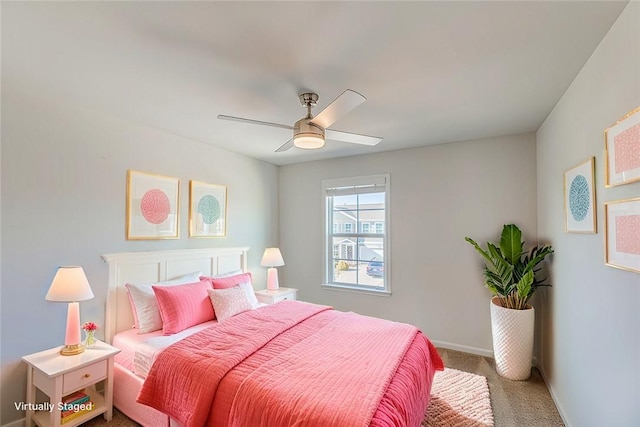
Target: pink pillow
183,306
228,282
143,302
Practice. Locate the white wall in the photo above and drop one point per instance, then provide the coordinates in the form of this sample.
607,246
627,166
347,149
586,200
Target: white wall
591,347
63,202
63,187
439,195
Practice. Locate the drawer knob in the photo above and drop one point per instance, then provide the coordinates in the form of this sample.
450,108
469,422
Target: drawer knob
87,375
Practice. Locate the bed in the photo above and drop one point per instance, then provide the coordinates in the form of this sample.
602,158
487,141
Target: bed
272,366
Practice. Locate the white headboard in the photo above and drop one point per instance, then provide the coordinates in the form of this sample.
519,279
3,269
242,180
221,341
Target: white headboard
149,267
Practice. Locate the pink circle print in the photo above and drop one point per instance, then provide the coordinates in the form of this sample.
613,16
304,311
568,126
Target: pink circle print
155,206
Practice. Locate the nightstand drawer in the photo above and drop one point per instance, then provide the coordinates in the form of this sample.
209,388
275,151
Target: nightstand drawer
266,296
83,377
289,297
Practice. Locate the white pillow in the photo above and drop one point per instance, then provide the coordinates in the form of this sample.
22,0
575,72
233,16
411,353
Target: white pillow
144,305
231,301
228,274
222,275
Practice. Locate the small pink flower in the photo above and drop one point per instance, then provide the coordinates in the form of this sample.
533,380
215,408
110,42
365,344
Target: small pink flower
90,326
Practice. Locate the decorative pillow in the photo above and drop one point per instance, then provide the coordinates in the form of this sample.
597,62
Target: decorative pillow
221,276
251,294
227,274
230,301
231,281
144,305
183,306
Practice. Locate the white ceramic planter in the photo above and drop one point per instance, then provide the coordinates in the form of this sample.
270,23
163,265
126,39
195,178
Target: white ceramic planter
512,332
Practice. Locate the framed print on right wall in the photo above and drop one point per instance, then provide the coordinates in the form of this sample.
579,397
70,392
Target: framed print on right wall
622,148
580,199
622,234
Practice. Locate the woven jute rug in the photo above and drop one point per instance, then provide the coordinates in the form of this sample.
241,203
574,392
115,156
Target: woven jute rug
459,399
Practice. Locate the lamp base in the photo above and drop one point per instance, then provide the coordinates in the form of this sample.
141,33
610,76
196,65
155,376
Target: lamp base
71,350
72,342
272,279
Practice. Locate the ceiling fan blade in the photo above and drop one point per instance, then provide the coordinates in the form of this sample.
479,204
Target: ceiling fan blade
347,101
284,147
354,138
253,122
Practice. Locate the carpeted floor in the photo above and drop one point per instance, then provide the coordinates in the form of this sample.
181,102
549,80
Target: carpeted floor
514,403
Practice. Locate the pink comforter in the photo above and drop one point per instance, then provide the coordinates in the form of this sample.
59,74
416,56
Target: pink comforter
316,367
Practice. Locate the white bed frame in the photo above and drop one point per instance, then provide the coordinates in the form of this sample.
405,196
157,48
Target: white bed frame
149,267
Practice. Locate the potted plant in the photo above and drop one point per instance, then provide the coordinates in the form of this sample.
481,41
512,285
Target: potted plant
510,274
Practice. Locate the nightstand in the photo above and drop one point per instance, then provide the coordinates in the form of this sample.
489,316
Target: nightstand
58,376
266,296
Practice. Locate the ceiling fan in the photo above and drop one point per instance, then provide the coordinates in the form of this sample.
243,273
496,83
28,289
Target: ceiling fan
310,132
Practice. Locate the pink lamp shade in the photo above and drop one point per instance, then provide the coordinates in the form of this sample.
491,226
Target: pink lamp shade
70,285
272,258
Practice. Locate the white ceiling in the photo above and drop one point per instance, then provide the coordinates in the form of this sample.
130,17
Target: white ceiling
433,72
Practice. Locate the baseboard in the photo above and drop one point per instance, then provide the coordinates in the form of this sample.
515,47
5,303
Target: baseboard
561,411
19,423
463,348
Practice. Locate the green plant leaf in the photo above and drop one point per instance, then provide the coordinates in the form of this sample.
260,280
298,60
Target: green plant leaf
481,251
524,286
511,243
501,272
536,256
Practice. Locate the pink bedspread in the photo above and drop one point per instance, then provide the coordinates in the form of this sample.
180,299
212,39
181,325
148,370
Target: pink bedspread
315,366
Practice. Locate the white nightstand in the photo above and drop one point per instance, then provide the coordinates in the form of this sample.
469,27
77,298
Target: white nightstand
57,376
266,296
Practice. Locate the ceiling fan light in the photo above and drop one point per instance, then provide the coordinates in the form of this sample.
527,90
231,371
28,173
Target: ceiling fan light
308,135
308,141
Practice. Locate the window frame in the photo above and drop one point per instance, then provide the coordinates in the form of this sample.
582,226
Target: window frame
344,184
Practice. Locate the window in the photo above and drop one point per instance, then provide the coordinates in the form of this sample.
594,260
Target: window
356,226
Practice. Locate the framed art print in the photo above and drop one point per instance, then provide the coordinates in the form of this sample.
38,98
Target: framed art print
622,147
207,210
580,199
153,205
622,234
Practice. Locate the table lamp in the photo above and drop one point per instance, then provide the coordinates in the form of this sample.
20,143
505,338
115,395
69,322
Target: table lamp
272,258
70,285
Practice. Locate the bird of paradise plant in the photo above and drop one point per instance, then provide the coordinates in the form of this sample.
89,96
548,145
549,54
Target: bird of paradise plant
509,271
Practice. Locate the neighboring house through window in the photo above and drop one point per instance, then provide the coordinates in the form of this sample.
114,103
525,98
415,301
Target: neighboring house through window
356,255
